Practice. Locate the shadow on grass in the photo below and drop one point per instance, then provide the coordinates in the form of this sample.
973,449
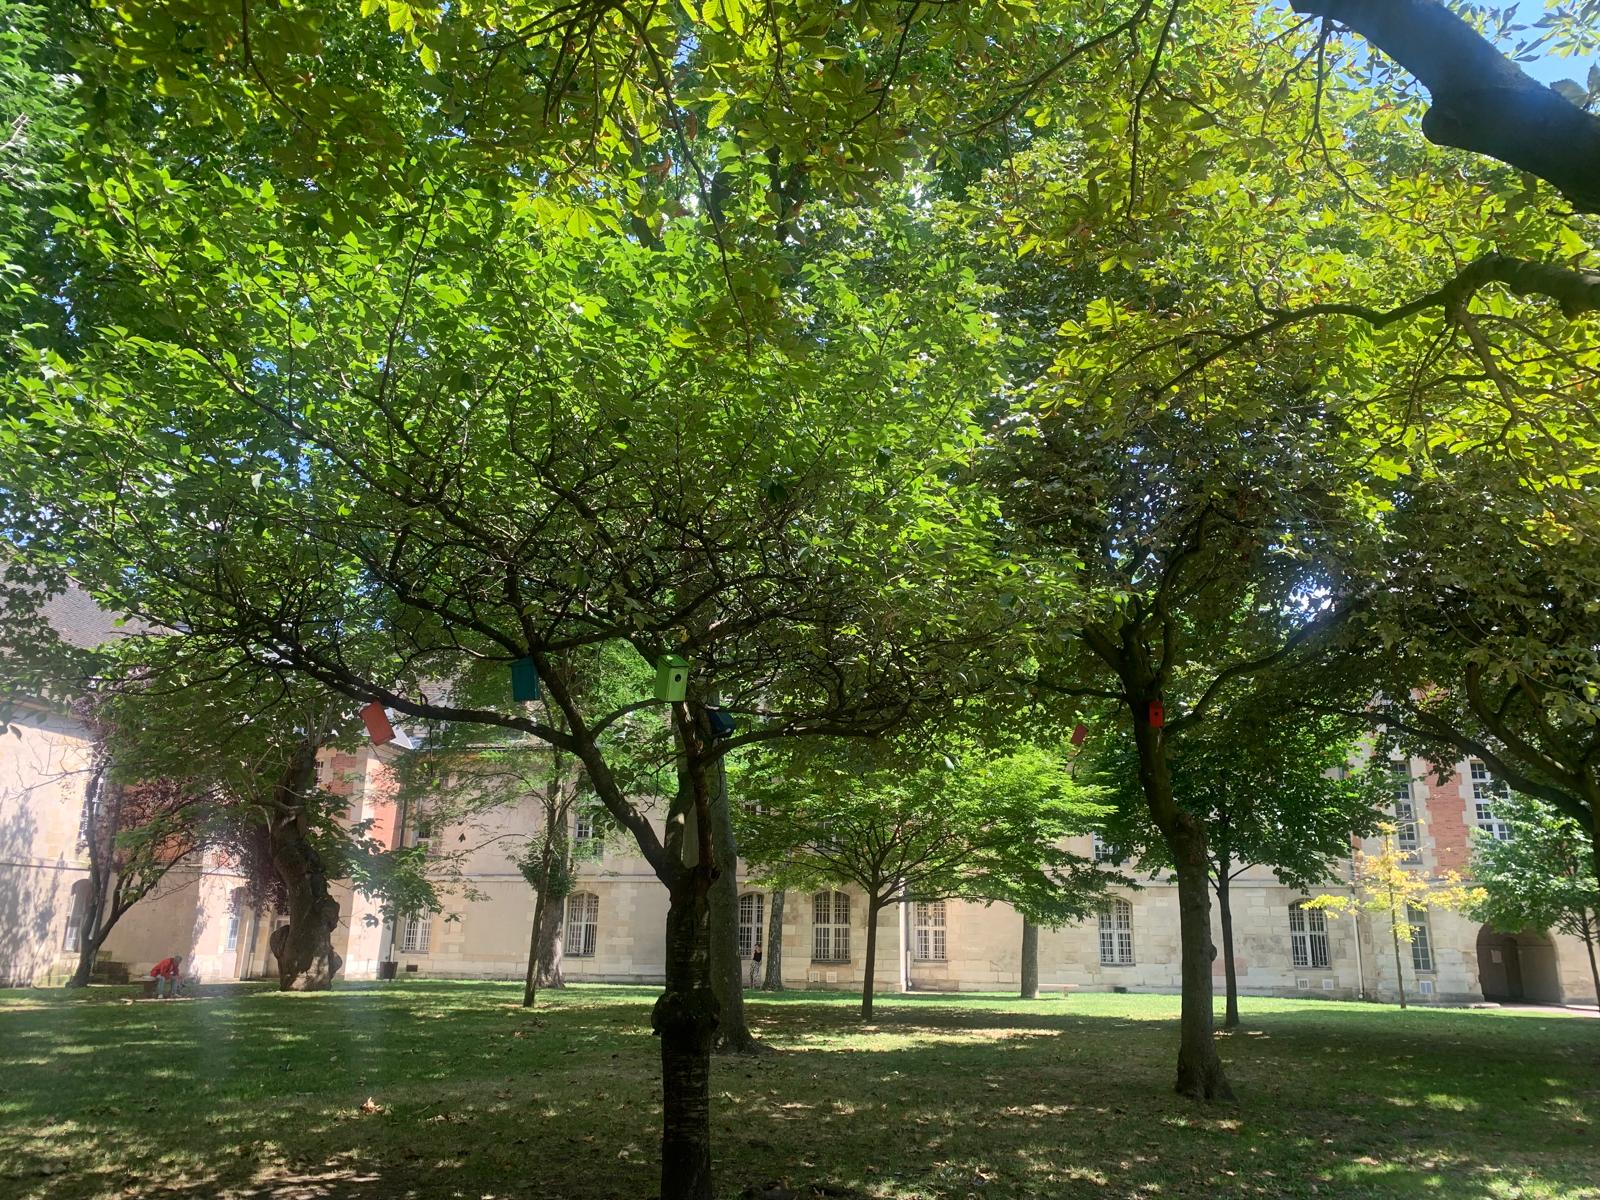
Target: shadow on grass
253,1093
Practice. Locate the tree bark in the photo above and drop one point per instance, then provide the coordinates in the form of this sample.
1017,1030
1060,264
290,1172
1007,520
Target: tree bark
104,801
774,947
1482,101
1588,944
1230,973
874,907
530,979
1399,976
553,944
1200,1073
307,961
727,969
685,1019
1030,960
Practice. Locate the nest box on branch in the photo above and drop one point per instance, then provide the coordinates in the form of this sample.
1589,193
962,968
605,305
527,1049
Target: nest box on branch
377,723
1158,715
672,677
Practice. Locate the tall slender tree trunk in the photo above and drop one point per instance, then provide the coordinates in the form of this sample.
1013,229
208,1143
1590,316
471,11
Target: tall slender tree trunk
307,961
727,969
1030,960
685,1016
1230,973
1200,1073
874,907
103,799
773,952
1588,944
530,981
1399,976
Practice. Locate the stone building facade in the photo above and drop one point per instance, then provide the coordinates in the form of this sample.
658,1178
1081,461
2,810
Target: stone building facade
616,916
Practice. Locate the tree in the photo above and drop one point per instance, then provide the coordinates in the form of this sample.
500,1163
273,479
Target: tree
919,825
1272,787
1386,884
772,980
1539,877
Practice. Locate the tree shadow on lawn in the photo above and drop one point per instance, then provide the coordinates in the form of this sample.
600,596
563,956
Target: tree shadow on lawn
264,1095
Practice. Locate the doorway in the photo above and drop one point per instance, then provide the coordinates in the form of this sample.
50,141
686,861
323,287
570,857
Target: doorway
1518,968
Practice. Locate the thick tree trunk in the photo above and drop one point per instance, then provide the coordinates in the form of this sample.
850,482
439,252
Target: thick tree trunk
1200,1073
773,952
685,1019
553,943
90,935
307,961
530,979
727,969
1230,973
868,979
1030,960
104,801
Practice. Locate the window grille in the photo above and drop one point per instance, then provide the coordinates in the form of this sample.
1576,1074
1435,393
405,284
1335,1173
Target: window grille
1487,792
1405,811
416,933
1308,936
928,928
752,911
830,927
583,924
1421,942
1116,934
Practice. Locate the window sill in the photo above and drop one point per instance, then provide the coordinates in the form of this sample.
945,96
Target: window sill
830,962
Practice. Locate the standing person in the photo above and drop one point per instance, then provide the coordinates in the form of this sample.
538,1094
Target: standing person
755,965
165,973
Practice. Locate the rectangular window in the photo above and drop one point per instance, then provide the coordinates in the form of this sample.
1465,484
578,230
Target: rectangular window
1308,936
415,934
752,914
830,927
1116,934
583,829
1104,853
1487,792
1421,943
583,924
928,929
231,941
1405,811
75,914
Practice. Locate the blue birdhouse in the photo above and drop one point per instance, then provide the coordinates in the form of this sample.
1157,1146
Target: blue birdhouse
721,722
672,677
524,680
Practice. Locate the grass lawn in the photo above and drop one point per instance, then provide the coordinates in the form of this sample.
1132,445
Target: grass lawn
247,1092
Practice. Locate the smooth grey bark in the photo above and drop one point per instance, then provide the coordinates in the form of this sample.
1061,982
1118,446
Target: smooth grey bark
1230,973
868,980
1030,960
773,952
727,970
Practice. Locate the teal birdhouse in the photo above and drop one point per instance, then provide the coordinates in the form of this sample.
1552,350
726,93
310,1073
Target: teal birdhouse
672,677
524,680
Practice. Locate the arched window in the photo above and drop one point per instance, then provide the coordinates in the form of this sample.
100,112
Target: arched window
416,933
830,927
927,921
1308,936
752,913
583,924
236,906
77,910
1116,934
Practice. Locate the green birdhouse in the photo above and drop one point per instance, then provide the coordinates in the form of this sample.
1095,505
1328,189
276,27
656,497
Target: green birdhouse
524,680
672,677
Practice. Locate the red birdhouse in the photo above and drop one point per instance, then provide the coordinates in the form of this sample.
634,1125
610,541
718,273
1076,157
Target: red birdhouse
1078,734
1158,715
377,723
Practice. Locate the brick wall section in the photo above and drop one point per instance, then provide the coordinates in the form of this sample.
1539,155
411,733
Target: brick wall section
1446,813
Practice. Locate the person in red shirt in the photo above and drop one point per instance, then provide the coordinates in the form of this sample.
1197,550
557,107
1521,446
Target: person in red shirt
165,973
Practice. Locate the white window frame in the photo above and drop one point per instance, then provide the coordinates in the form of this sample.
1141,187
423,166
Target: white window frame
1116,933
1103,853
1309,947
1486,791
230,940
583,925
1421,940
752,923
1406,837
583,828
830,927
416,934
928,931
